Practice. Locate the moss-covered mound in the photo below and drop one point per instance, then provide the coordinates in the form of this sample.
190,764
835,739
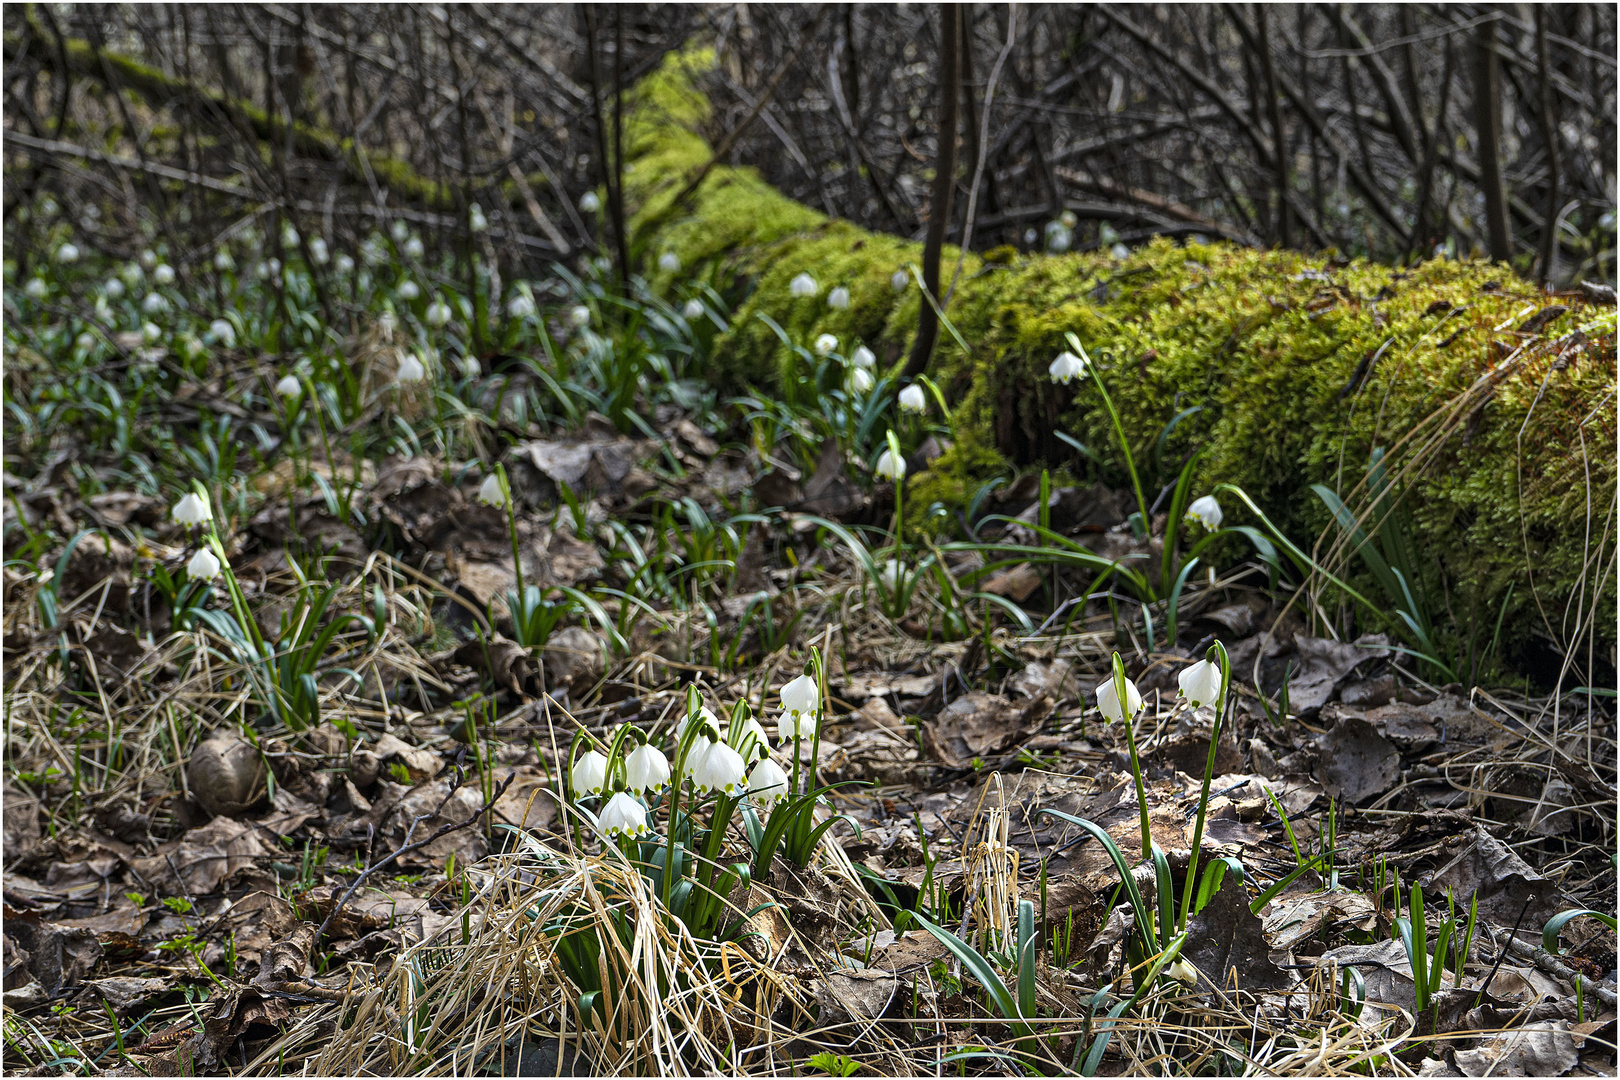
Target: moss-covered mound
1304,367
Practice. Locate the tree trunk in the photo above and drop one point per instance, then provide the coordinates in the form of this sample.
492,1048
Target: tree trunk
939,210
1488,122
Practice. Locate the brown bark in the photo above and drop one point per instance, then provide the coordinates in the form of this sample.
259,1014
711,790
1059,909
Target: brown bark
939,210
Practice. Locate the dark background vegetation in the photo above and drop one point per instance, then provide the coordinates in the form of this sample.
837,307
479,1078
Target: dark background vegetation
1395,131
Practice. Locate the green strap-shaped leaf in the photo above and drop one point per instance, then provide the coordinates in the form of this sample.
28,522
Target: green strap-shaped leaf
1555,926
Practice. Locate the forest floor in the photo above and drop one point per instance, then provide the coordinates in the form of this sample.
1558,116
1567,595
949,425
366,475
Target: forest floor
315,810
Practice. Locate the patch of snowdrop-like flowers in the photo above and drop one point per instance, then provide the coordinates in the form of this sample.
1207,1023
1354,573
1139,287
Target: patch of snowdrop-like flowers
669,262
223,332
693,310
859,380
289,236
623,816
437,314
862,358
113,290
589,775
490,492
154,304
318,251
899,280
67,253
912,399
825,344
344,264
401,232
1059,237
722,769
410,369
408,290
646,768
288,386
1201,683
1108,700
1066,367
890,467
148,259
891,574
413,248
476,221
192,509
520,306
579,315
36,289
1206,511
590,203
838,299
223,261
85,341
132,274
164,274
204,566
767,783
151,333
801,705
803,285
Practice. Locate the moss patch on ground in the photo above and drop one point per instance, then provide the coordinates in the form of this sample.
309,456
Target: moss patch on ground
1302,367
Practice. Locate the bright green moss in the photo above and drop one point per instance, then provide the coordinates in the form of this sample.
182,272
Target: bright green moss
1266,344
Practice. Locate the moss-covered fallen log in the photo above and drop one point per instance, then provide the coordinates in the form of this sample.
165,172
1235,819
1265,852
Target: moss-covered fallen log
1492,402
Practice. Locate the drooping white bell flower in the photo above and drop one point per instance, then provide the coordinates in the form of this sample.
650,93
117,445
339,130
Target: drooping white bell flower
192,509
344,264
1182,972
862,358
274,267
413,248
131,273
319,252
694,757
669,262
899,280
151,333
520,306
590,203
164,274
1059,237
223,261
148,259
410,369
704,715
261,270
623,816
579,315
803,285
860,380
912,399
223,332
288,386
825,344
890,467
589,775
154,304
767,783
437,314
722,769
289,236
1201,683
36,289
646,768
490,492
1108,700
1206,511
85,341
204,566
113,290
801,702
400,231
693,310
1120,251
409,290
476,221
890,575
67,253
838,299
1066,366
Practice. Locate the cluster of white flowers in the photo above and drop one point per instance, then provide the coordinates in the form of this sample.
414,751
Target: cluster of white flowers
714,759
